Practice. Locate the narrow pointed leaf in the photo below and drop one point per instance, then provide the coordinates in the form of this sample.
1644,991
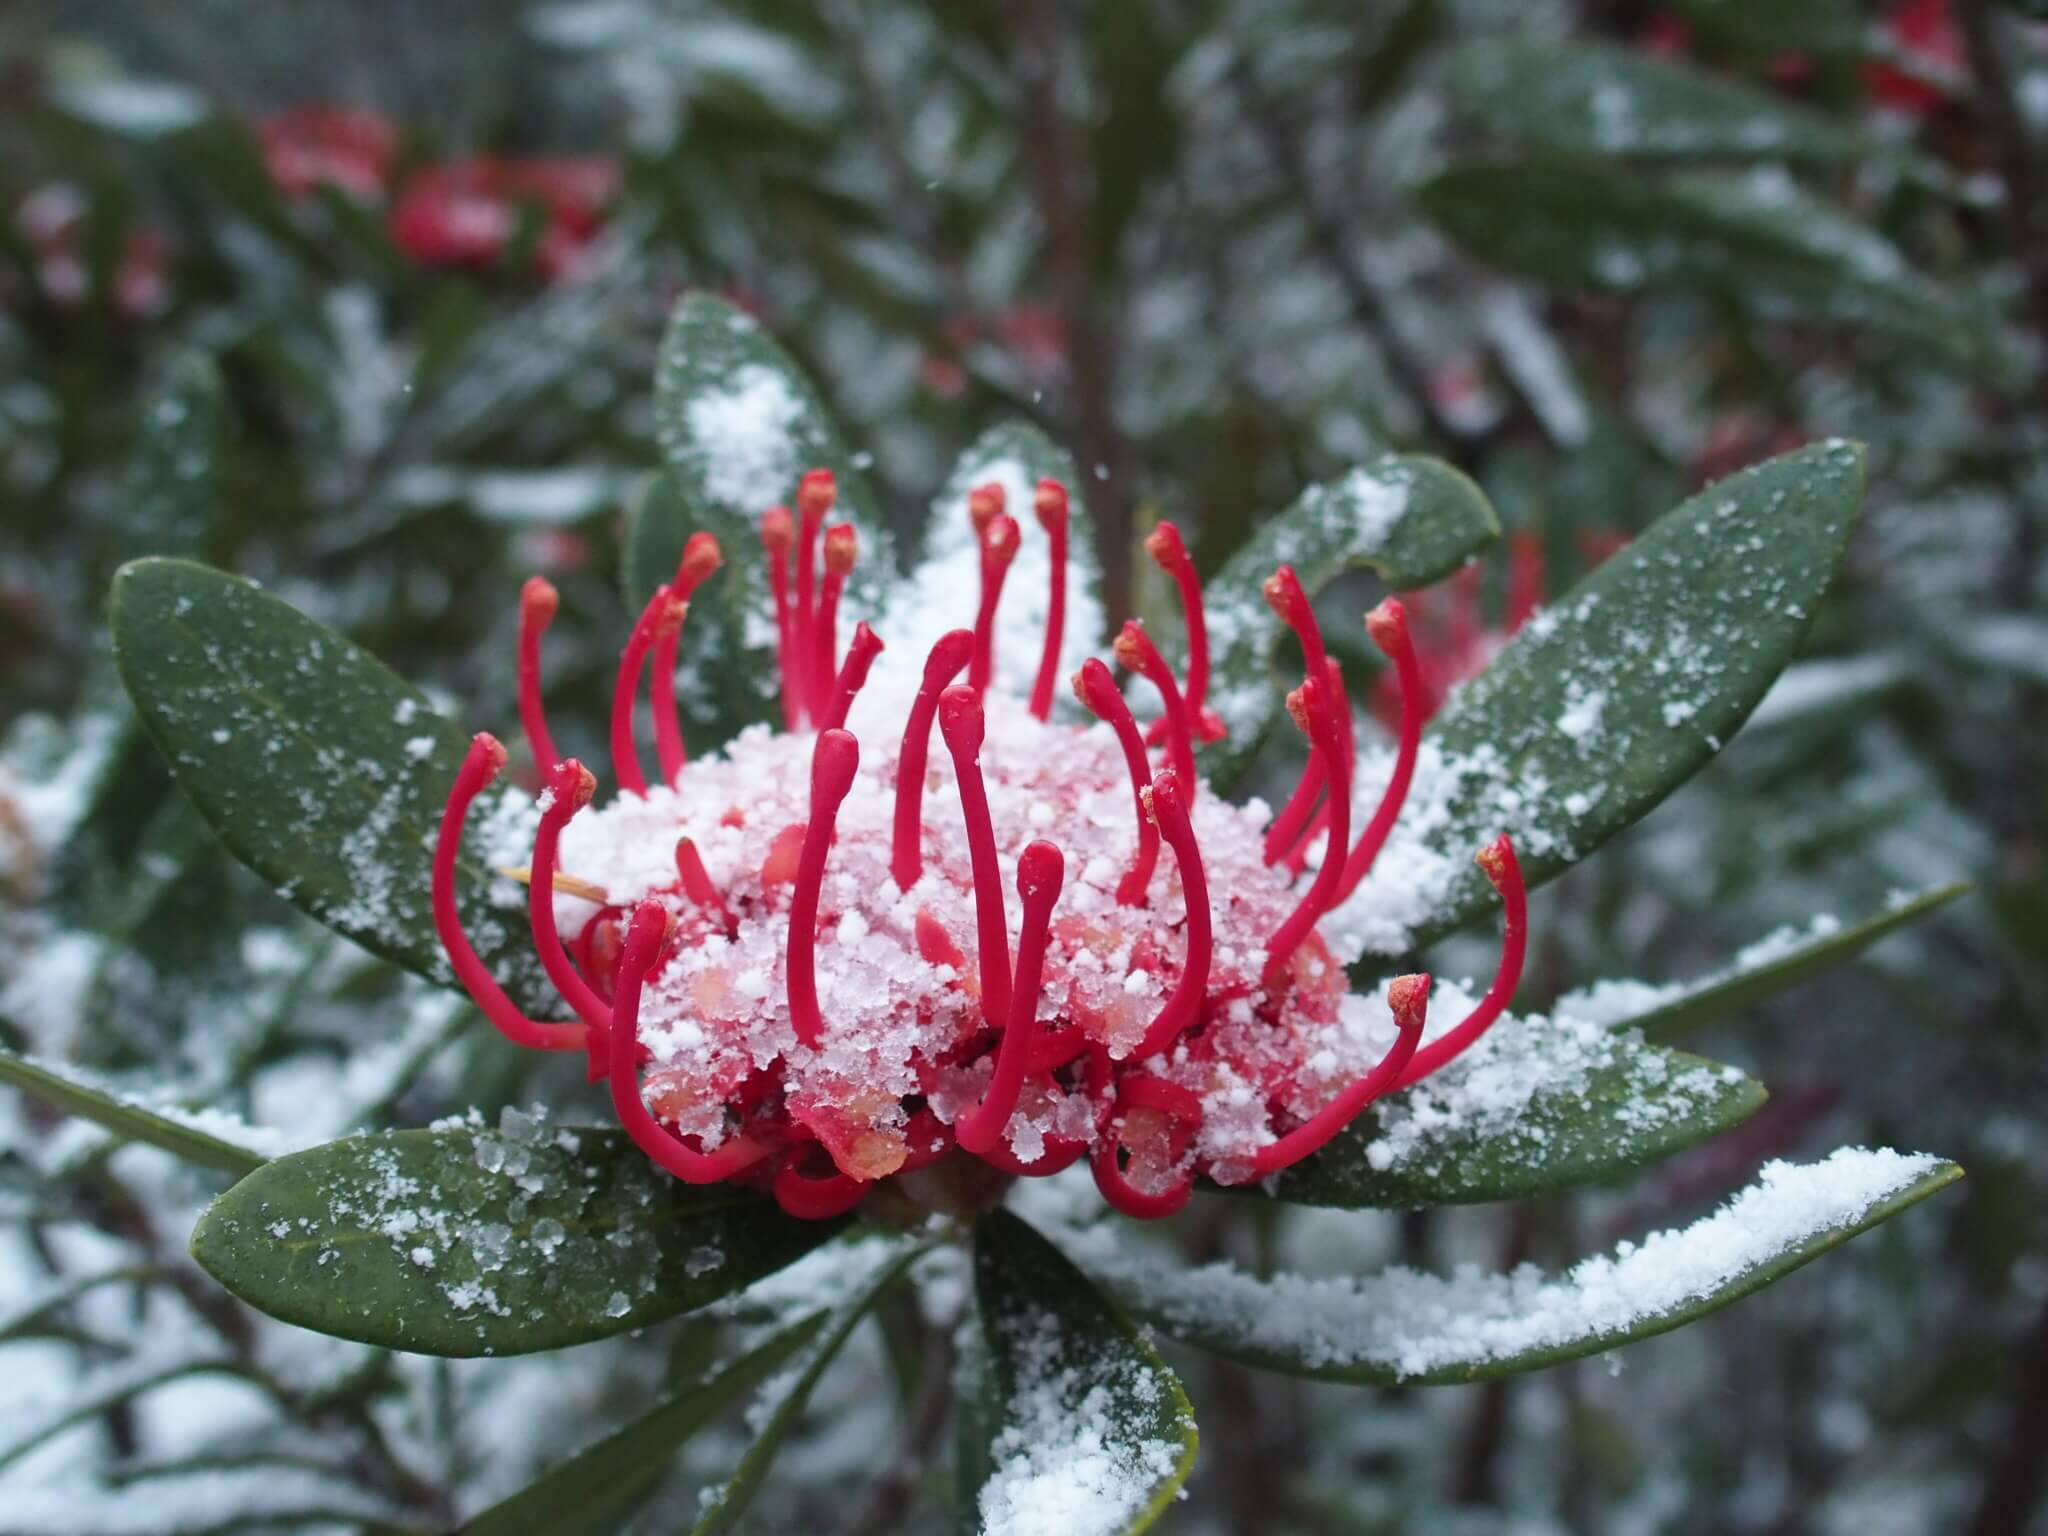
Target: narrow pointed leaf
1769,967
462,1242
173,499
593,1492
1401,1326
181,1132
941,590
1411,520
1629,684
1757,239
1539,1106
781,1403
1090,1429
739,425
319,767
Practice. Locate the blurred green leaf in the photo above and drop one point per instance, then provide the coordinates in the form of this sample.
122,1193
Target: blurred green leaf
176,1131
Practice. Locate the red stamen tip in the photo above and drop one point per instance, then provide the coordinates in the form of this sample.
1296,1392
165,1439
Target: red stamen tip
1049,502
669,617
701,556
1275,590
952,651
778,530
1408,997
1167,550
539,602
570,788
842,548
985,504
853,672
960,719
816,493
833,764
1133,647
1388,626
1041,868
486,759
1000,538
1498,859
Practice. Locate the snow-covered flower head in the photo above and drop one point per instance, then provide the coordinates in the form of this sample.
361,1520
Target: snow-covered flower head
797,961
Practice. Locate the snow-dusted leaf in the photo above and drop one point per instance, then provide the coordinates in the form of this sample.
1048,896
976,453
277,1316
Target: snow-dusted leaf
593,1492
779,1404
1090,1433
320,768
739,425
1404,1326
1757,239
1589,98
1412,520
1771,965
463,1242
207,1137
1628,685
32,1422
34,1316
941,590
1540,1105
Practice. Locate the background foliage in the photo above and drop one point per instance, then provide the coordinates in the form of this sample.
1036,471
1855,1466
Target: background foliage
1595,254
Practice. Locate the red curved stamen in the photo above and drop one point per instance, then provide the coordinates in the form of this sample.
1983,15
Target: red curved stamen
998,548
1504,870
1167,803
833,764
861,652
985,503
1050,503
778,534
570,786
1297,857
697,883
810,1197
538,604
1388,626
842,548
1040,872
1117,1189
928,1140
1170,554
1098,694
1136,653
479,767
662,615
1408,997
1060,1154
701,556
815,494
1316,712
1294,815
960,721
1284,595
645,935
906,853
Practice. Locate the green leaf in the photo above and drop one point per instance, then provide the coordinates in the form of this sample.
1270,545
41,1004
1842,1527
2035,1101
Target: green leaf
460,1242
739,424
36,1316
1404,1327
593,1492
319,767
932,600
1067,1373
175,1130
781,1404
1595,99
1541,1105
1756,239
173,498
1776,964
106,1390
1412,520
1627,686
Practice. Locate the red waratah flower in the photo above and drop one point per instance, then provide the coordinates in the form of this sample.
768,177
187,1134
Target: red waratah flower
1925,32
798,961
462,213
52,220
348,148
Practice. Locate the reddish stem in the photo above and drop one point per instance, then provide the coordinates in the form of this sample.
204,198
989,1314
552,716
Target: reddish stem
1167,803
1316,712
479,767
1504,871
778,534
998,548
1136,652
841,550
538,604
1408,997
949,654
1040,871
1388,626
833,764
644,937
814,497
1294,815
960,721
810,1197
701,557
1098,693
853,676
662,615
570,786
1170,554
1050,503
